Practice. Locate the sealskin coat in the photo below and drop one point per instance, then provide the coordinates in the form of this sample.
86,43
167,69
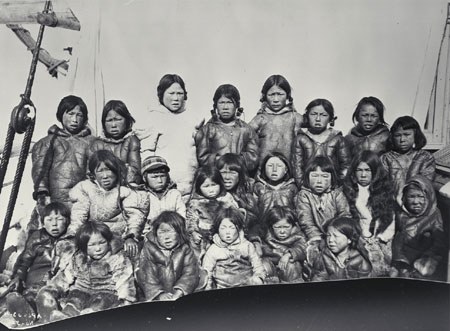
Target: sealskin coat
375,141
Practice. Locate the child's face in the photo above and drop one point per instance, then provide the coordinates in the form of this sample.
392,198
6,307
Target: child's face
105,177
115,124
275,169
230,177
73,120
415,200
403,139
318,118
167,236
157,181
226,109
97,246
210,189
173,97
368,118
363,174
55,224
228,231
282,229
319,180
276,98
337,241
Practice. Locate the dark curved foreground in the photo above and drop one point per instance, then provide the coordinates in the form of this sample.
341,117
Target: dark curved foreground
373,304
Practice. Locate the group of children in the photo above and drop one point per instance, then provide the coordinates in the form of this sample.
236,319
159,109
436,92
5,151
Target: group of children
286,198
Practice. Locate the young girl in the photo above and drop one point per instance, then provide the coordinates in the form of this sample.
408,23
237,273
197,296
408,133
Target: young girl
225,132
208,198
407,158
342,257
44,254
419,247
119,138
371,199
284,245
161,191
168,268
371,131
232,260
104,198
319,140
95,279
275,185
277,122
320,200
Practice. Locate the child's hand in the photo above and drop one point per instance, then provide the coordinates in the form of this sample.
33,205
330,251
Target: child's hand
426,266
282,264
165,296
4,279
15,284
131,247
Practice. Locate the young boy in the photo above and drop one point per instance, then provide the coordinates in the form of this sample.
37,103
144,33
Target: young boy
43,256
161,191
419,244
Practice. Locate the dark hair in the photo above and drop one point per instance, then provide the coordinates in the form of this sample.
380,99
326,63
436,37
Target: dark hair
381,199
414,186
276,80
176,221
86,231
278,213
347,226
327,105
236,163
205,172
161,169
283,159
70,102
56,207
326,165
407,123
373,101
233,214
166,82
228,91
120,108
111,161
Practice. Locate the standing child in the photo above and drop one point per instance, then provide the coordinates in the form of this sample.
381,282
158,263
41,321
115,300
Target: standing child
342,257
232,260
94,280
319,140
371,131
43,256
161,190
284,245
168,268
320,199
419,245
277,122
407,158
371,199
208,198
225,132
105,198
119,138
275,185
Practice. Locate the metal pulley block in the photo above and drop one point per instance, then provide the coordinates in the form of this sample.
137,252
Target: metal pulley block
22,116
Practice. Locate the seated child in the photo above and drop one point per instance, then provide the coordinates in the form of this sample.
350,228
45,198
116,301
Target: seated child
319,200
232,260
341,257
275,185
105,198
168,268
161,191
94,280
284,245
208,198
419,245
225,132
43,256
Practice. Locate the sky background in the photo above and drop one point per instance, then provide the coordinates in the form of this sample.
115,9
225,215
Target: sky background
338,50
